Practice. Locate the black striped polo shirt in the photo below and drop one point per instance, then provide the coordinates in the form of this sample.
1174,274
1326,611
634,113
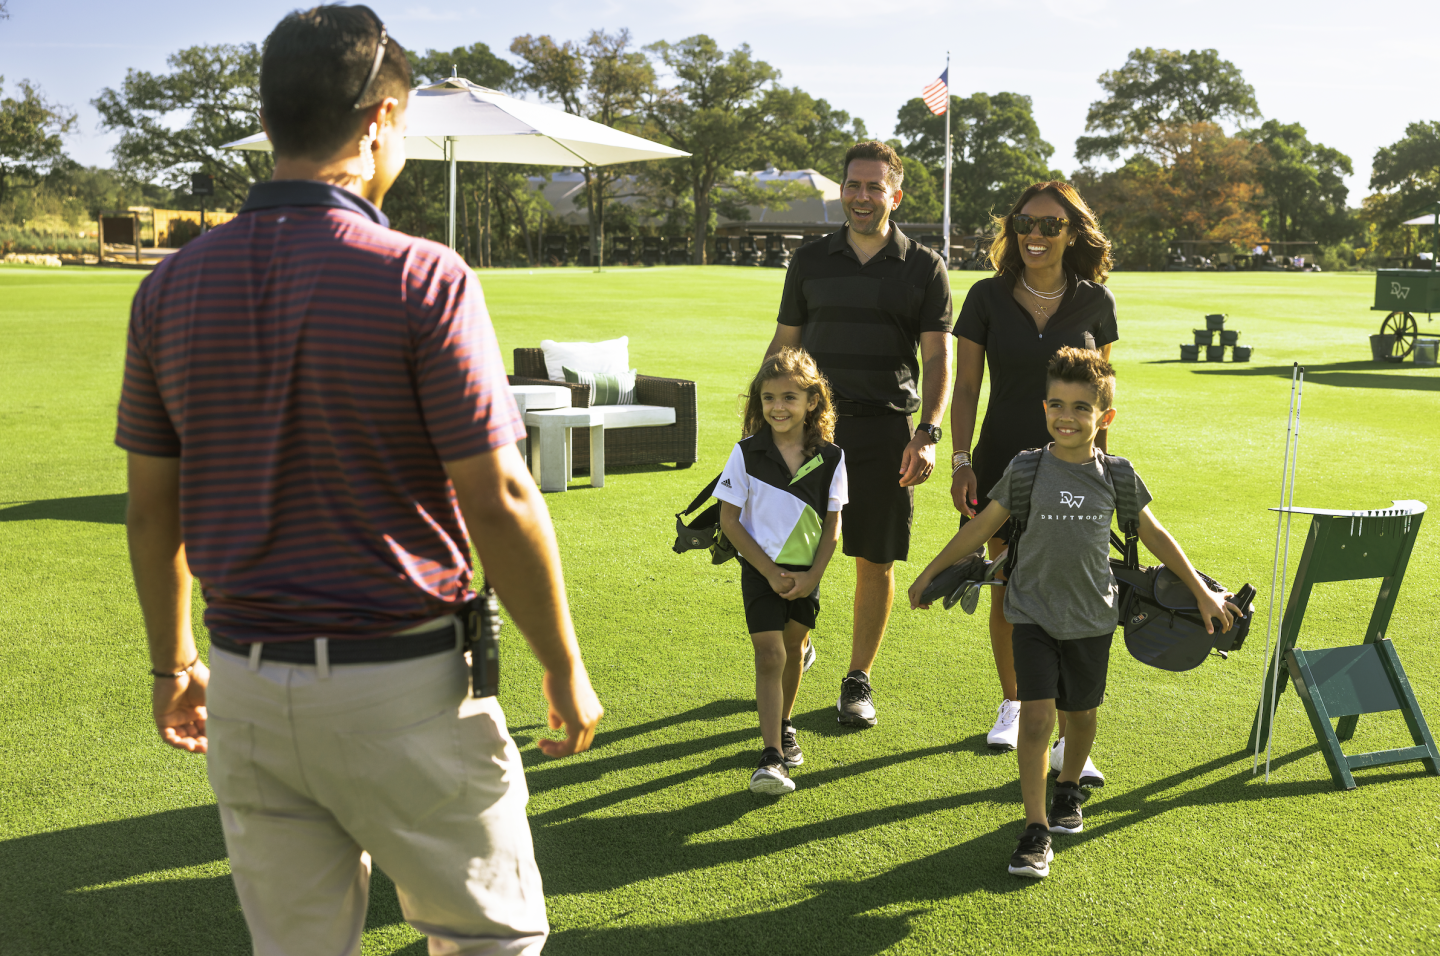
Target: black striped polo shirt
862,323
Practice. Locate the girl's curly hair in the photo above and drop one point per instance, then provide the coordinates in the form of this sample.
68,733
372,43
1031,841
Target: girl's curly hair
796,365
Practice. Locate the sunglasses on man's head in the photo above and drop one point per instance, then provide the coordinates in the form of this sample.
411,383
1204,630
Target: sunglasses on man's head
1049,225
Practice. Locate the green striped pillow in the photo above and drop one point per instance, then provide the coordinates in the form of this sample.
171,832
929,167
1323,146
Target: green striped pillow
606,388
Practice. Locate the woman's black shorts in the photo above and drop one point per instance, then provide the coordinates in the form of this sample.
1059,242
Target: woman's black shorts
767,611
1071,672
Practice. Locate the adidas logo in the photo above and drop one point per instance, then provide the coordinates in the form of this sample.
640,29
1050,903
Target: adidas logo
726,484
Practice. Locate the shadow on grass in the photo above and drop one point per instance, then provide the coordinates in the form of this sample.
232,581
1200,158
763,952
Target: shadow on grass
100,509
1360,374
70,891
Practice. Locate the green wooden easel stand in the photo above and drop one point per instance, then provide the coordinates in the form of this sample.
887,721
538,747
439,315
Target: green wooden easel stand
1345,682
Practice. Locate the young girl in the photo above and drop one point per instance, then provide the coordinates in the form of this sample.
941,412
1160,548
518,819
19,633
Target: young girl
780,498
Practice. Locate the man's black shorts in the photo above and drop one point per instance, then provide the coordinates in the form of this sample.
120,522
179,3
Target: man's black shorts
767,611
1071,672
875,525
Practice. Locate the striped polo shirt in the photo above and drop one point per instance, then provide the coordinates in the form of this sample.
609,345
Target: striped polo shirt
782,512
311,369
862,323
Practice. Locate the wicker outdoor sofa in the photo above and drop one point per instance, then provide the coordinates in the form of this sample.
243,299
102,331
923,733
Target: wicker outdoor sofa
648,445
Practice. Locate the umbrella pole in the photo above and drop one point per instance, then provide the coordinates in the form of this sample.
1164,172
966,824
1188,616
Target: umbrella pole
450,158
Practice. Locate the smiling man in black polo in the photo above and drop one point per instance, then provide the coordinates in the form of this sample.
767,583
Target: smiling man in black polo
863,301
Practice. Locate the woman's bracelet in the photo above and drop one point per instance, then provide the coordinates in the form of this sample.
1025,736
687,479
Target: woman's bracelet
961,459
172,676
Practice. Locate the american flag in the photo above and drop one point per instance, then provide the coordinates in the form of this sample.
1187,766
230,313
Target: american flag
937,94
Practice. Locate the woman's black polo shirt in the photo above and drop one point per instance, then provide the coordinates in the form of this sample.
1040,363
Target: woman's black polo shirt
1017,354
862,323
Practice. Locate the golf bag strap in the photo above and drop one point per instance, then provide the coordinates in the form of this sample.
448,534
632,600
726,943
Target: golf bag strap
1127,506
1023,468
702,497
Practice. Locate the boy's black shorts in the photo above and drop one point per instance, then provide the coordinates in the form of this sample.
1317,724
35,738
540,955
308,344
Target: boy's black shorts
767,611
1072,672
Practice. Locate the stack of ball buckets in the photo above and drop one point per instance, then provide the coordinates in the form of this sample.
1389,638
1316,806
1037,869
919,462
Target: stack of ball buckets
1205,338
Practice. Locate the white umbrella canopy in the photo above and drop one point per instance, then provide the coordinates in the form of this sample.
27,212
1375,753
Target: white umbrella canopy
457,120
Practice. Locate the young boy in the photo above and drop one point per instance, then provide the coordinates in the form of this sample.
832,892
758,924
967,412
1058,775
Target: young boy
1061,596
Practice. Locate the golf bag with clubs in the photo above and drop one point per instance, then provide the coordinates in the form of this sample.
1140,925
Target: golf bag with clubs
704,531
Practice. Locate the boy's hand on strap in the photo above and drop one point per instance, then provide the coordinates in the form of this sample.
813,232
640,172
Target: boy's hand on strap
1213,605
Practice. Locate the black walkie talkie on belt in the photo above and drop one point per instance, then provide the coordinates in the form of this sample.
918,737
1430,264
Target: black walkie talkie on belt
482,638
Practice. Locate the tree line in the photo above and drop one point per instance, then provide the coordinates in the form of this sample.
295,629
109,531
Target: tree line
1176,150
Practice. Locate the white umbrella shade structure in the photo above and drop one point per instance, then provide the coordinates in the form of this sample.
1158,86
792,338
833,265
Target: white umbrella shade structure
460,121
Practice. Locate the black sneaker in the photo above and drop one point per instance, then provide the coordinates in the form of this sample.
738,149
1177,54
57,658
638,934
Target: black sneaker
771,778
856,706
788,746
1032,857
1065,816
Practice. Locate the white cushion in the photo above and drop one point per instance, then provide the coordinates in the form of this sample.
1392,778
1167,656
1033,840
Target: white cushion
611,356
631,416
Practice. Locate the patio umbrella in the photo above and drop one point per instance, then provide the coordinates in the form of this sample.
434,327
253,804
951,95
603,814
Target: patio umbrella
1429,219
457,120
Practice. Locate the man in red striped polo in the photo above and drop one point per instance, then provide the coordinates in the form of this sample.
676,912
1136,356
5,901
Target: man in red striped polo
318,427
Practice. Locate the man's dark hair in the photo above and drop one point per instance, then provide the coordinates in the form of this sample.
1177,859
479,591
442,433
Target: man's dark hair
313,69
895,170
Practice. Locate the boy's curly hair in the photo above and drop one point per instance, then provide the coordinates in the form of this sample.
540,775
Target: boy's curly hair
796,365
1083,367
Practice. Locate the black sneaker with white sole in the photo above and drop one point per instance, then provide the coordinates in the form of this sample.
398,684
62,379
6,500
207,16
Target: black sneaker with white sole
788,746
1065,815
771,778
1032,857
856,706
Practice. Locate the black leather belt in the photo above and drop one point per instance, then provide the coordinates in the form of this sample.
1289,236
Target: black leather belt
857,410
374,650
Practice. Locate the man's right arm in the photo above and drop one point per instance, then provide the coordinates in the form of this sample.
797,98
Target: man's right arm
511,528
786,336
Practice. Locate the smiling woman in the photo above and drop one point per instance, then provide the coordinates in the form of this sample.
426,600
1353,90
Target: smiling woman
1051,262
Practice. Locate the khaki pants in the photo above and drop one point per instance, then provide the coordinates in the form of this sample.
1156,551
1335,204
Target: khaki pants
319,770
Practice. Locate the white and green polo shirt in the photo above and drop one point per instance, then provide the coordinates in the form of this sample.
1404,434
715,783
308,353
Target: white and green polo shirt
783,513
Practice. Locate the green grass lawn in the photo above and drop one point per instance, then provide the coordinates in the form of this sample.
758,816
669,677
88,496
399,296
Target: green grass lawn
897,837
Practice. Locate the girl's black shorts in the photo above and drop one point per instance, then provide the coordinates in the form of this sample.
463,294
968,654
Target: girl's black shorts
767,611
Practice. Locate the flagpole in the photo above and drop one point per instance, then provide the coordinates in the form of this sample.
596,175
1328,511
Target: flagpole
949,150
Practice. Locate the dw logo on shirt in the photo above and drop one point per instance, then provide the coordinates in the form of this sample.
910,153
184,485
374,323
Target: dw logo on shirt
725,483
1074,501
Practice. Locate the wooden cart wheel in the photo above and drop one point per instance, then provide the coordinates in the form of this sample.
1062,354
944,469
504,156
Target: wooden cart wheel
1402,329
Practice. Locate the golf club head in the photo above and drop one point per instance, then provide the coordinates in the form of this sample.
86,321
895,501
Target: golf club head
969,598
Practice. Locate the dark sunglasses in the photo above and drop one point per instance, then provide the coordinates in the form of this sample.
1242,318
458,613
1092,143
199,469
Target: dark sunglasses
1049,225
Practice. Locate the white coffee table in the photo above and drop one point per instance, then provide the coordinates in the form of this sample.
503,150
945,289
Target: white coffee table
553,463
529,397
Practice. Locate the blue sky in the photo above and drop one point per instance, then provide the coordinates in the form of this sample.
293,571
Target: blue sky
1353,73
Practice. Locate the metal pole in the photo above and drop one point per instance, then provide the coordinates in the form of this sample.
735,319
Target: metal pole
1275,564
949,150
450,158
1280,633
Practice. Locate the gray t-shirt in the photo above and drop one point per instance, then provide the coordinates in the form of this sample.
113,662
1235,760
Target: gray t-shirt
1063,581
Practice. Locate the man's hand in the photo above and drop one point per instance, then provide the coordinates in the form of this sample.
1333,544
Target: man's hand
574,706
963,487
179,707
918,461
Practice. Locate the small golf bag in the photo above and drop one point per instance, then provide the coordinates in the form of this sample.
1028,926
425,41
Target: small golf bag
1161,619
704,531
